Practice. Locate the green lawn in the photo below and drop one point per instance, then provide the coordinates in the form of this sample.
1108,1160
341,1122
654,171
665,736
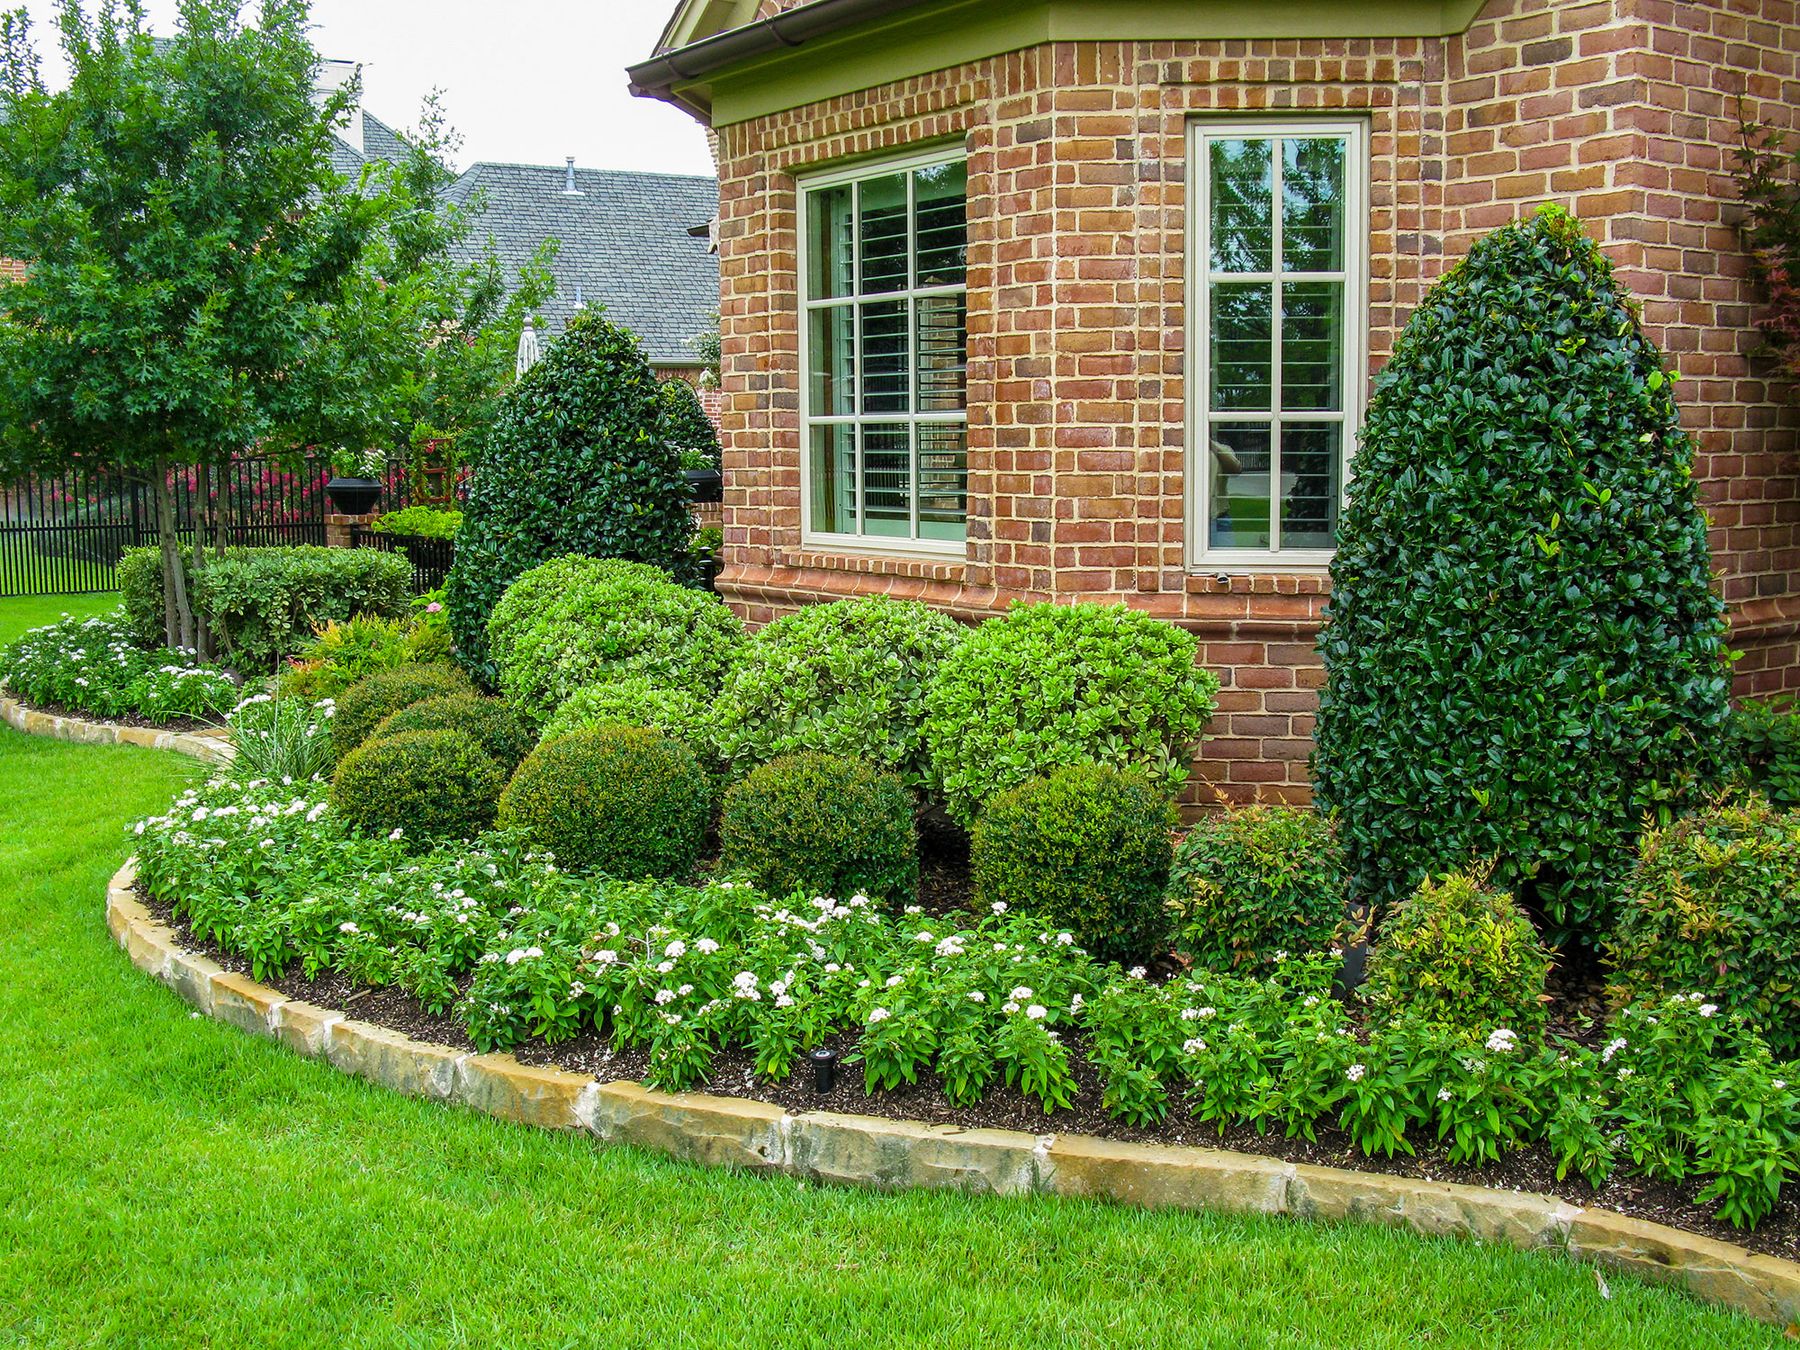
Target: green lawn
16,616
167,1181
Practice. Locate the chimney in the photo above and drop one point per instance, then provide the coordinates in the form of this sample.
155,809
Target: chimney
569,189
333,76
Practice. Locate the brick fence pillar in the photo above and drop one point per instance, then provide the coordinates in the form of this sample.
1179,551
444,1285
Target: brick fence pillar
338,527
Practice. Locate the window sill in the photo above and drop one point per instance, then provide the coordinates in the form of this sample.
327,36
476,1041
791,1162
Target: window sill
922,566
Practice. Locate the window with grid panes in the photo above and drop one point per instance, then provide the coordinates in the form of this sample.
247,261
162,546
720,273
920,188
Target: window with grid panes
885,348
1277,314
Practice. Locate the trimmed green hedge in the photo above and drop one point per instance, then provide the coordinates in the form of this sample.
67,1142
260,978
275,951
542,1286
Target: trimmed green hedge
264,604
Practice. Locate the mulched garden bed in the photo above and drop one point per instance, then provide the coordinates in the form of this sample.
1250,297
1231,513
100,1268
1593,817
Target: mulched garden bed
1532,1169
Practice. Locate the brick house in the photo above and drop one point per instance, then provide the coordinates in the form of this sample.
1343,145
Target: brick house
1079,299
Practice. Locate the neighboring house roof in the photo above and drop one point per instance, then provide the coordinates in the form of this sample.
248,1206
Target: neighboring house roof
625,244
627,241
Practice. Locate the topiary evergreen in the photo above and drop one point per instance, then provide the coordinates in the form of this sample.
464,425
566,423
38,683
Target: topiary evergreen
580,461
1524,654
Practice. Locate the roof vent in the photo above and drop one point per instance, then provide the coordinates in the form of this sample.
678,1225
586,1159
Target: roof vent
569,188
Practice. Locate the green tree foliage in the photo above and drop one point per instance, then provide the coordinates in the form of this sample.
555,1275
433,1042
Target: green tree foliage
578,462
188,248
1524,654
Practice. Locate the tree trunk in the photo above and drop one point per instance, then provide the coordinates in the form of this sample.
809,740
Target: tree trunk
177,617
202,525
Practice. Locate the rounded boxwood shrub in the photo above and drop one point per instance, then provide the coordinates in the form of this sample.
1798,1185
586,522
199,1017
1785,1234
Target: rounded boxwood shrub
1049,685
626,801
374,698
1713,907
488,722
1253,882
844,678
1524,652
1458,953
428,784
576,621
824,825
579,461
1087,848
635,701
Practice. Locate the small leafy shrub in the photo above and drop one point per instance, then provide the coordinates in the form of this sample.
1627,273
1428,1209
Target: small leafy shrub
488,722
635,701
1051,685
95,667
1766,737
282,738
1714,905
341,653
422,522
823,825
1524,652
376,697
844,678
1256,882
625,801
139,574
577,621
687,426
1459,953
424,784
264,604
579,461
1086,848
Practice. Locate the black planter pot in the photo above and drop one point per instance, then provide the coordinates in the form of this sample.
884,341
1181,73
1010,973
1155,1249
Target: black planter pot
354,496
708,485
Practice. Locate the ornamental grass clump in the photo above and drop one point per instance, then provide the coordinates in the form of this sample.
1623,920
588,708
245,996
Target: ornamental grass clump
1524,653
821,825
374,698
1086,848
844,678
489,722
1047,686
1713,905
626,801
1253,884
576,621
1461,954
421,785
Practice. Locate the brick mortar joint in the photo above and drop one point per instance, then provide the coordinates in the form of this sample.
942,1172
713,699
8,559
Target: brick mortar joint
886,1153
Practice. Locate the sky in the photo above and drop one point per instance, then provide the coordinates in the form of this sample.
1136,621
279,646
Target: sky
524,81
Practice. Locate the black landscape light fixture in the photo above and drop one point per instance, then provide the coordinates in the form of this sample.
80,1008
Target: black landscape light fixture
824,1064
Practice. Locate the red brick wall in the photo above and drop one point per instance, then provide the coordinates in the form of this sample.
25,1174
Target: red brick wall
1621,109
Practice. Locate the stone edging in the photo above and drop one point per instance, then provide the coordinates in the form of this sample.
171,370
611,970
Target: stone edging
872,1151
210,747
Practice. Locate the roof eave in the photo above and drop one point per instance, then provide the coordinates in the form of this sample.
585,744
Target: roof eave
680,76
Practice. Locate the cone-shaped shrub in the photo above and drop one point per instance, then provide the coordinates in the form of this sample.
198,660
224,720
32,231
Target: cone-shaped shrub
1523,653
580,461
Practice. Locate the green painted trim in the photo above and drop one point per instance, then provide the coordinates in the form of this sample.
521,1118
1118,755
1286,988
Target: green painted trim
697,20
939,37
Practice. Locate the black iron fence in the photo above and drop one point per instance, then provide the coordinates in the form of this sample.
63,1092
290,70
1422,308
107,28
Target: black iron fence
62,534
430,558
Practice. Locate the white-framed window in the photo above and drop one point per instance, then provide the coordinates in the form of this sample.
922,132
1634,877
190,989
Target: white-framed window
1277,313
884,342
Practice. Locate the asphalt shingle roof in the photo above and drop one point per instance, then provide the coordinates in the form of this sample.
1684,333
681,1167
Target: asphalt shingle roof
625,244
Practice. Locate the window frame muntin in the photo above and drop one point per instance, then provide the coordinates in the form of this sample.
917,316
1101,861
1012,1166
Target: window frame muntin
854,301
1202,555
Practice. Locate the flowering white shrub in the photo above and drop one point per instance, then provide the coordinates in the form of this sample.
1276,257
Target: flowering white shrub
92,666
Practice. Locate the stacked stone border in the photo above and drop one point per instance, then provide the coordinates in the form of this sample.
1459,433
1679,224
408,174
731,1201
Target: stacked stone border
870,1151
211,747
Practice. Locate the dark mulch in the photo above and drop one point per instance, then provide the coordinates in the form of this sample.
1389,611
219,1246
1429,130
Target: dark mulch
1530,1170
